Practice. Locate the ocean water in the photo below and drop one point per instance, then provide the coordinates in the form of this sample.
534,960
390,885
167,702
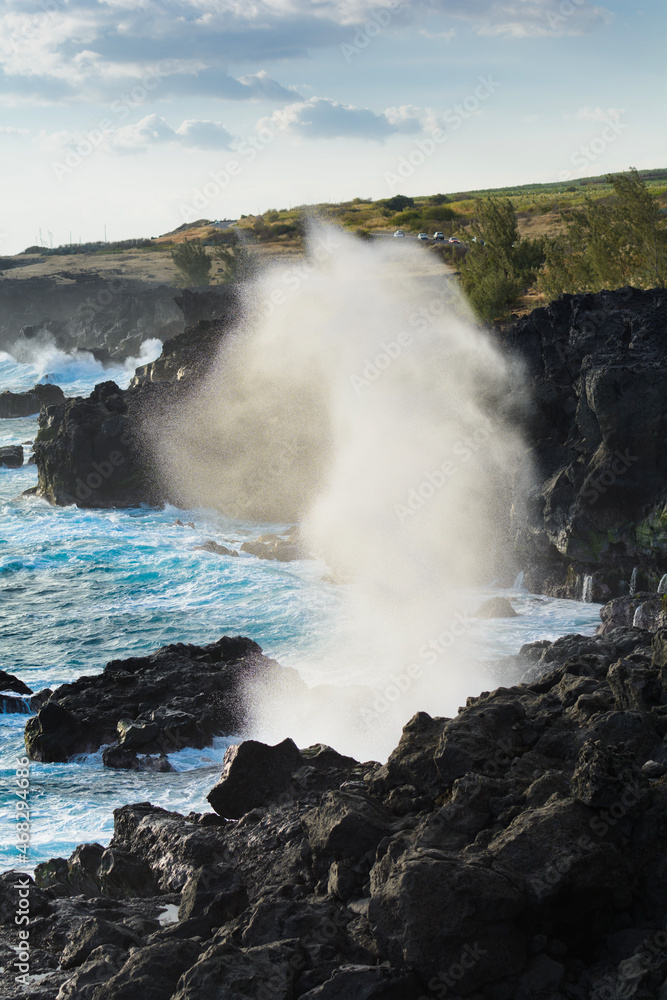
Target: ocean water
78,588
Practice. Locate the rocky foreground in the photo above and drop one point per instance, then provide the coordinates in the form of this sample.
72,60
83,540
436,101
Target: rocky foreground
514,852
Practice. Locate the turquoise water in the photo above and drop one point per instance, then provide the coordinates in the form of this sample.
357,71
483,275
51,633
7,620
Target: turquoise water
78,588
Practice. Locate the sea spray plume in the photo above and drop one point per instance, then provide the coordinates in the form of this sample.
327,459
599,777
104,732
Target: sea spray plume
359,397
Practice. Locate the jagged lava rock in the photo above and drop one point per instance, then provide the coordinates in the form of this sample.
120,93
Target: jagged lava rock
515,851
11,456
597,367
92,452
643,610
181,695
24,404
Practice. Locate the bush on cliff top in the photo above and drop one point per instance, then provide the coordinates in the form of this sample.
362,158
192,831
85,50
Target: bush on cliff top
193,262
609,245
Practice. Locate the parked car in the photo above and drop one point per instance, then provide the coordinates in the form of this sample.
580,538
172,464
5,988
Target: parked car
423,236
439,236
399,232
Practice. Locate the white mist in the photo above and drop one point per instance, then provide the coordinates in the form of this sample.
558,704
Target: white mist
359,398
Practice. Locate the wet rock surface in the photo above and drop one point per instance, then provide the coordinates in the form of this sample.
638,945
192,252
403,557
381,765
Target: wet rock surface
11,456
643,610
497,607
90,311
597,367
514,851
24,404
181,695
92,452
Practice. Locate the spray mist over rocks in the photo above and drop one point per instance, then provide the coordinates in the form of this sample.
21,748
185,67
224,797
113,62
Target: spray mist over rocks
359,398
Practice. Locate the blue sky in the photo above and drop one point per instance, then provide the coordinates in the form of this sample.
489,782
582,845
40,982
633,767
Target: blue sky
143,114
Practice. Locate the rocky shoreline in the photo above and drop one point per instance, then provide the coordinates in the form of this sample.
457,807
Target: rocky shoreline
595,525
110,316
513,852
91,452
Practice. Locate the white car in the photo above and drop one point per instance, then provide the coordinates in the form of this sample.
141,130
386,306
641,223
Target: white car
439,236
399,232
423,236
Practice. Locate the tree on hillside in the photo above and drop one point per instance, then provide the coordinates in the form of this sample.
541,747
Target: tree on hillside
193,262
399,202
609,245
236,261
487,273
498,264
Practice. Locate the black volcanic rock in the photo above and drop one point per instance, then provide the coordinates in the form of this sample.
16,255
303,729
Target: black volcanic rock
87,451
643,610
91,452
179,696
255,775
24,404
529,864
11,456
8,682
497,607
113,313
597,366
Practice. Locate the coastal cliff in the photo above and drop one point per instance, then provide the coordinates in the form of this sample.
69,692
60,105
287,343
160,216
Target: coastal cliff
597,371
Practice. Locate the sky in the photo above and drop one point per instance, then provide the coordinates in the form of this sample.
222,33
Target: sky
131,117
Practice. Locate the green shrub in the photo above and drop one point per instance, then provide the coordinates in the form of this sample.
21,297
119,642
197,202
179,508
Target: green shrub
237,263
609,245
498,264
193,262
399,202
439,214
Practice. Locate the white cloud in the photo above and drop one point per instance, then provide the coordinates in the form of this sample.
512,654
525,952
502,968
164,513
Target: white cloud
447,35
88,49
322,118
587,114
197,134
10,130
150,131
527,18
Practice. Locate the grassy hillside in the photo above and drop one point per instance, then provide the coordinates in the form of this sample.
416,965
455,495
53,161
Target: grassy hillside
541,259
538,207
